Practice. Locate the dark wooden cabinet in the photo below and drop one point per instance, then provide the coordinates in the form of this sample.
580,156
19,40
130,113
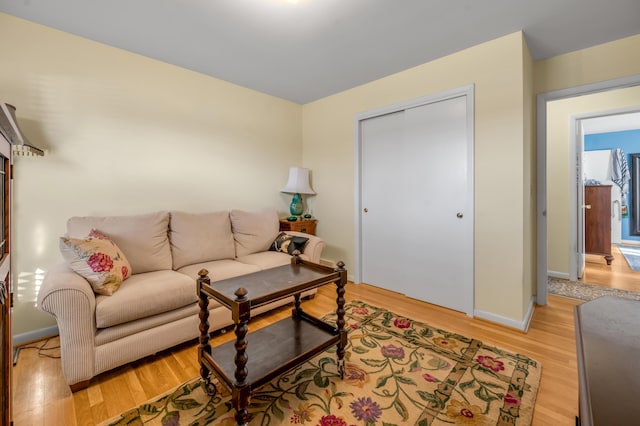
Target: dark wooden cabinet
597,221
6,299
6,357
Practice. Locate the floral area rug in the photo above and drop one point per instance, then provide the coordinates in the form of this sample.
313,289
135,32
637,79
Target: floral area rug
397,372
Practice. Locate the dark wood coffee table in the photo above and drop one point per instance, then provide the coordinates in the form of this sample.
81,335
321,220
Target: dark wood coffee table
277,348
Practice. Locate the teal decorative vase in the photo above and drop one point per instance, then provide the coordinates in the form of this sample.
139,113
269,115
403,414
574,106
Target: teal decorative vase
296,205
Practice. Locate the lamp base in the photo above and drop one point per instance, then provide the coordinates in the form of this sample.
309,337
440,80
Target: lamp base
296,205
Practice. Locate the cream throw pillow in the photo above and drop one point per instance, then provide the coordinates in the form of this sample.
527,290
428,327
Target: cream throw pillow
98,260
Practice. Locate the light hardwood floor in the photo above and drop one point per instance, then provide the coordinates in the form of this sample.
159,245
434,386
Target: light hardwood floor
617,275
41,396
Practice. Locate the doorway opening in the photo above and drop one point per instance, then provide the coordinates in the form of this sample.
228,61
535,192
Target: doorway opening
606,141
545,201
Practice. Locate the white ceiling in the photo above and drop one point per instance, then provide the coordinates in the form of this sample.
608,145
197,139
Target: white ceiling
307,49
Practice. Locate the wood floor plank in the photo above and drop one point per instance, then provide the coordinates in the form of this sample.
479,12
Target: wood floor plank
94,395
82,409
135,387
550,340
617,275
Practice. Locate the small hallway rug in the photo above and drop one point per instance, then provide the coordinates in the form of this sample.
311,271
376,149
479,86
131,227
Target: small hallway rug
398,372
631,255
586,292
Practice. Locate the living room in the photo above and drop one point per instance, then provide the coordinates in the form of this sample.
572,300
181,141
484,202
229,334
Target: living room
126,134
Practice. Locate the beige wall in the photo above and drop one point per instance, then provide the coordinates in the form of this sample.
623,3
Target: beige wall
604,62
559,166
126,134
496,69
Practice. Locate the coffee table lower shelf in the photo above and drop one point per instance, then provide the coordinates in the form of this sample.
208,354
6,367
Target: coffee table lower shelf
273,350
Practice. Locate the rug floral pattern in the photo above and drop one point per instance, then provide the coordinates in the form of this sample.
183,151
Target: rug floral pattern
398,371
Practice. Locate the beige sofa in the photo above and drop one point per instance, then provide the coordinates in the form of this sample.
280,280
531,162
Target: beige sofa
156,307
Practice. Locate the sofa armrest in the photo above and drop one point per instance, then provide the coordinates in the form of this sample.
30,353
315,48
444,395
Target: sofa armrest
314,247
71,300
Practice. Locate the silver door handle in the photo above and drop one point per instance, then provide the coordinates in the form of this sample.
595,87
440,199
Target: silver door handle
587,206
366,210
459,215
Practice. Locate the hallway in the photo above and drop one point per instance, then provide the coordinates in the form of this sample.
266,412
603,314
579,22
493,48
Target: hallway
617,275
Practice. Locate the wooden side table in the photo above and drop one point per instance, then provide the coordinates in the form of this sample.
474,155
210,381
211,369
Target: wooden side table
307,226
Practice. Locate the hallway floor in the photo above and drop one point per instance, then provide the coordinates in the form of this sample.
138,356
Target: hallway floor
617,275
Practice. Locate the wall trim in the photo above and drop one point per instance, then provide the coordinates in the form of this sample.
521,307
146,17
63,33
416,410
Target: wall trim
32,336
556,274
509,322
630,242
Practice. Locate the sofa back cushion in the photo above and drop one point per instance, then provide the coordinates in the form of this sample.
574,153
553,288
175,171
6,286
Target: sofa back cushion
142,238
254,231
200,237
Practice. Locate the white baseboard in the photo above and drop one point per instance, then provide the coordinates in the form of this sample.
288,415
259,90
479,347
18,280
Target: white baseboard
326,262
509,322
32,336
332,264
555,274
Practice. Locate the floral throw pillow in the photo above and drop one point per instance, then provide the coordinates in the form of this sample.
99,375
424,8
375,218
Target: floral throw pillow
98,260
289,243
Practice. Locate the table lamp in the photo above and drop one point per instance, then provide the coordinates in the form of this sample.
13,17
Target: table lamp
297,184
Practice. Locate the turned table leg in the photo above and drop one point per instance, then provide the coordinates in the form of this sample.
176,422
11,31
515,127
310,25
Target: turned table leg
297,310
204,346
241,393
340,284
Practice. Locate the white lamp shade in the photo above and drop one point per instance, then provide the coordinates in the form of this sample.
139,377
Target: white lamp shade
298,182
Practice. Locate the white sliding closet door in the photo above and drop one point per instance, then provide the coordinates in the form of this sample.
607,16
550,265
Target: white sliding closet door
417,202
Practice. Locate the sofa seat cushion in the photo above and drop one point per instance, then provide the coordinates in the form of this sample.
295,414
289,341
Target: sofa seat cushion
111,334
266,259
144,295
219,269
254,231
200,237
143,238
